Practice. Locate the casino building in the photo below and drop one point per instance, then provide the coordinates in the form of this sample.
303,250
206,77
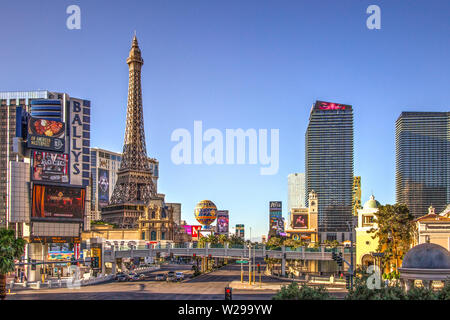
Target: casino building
303,221
104,167
45,170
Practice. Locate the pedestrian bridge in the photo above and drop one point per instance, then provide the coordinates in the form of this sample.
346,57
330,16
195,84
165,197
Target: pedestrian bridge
223,251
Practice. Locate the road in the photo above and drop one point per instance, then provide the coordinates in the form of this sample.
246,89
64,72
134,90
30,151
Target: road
205,287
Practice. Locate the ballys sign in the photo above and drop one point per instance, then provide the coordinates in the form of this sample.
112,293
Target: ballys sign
79,148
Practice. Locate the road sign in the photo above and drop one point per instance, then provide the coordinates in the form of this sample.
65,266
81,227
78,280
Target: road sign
242,261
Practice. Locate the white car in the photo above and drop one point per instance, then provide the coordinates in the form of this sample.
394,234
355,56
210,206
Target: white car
180,276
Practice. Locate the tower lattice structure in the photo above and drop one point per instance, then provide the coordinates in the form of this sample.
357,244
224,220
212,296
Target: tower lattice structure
134,184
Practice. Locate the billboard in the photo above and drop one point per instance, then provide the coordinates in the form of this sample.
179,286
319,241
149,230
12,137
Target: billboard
188,229
222,222
322,105
275,206
58,203
46,134
300,221
103,188
49,166
196,232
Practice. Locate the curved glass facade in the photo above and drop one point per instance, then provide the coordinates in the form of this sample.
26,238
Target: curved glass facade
422,161
329,163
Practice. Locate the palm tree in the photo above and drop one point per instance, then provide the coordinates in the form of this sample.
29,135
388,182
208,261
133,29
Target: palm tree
222,238
10,250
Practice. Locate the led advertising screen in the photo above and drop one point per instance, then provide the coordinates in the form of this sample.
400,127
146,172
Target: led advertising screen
50,167
46,134
222,222
300,221
188,229
103,188
322,105
58,203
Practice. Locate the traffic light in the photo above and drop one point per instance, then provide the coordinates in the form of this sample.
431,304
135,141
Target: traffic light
348,281
259,268
267,256
334,256
228,293
33,266
339,259
209,255
194,255
94,262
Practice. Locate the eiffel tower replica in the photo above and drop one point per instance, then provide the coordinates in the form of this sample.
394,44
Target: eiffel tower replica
134,189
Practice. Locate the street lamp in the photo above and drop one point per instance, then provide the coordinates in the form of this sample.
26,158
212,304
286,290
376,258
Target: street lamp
351,254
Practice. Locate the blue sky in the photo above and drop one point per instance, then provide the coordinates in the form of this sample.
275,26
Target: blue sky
238,64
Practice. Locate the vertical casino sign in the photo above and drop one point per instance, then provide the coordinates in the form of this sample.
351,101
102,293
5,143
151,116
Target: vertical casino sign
79,134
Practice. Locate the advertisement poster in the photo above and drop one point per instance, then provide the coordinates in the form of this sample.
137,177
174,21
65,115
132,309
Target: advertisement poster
222,222
50,167
188,229
46,134
300,221
61,203
103,188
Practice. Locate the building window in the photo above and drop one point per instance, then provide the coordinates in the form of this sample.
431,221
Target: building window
163,236
153,235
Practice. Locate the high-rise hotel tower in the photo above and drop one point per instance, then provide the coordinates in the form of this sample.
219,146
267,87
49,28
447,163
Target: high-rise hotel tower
329,167
422,161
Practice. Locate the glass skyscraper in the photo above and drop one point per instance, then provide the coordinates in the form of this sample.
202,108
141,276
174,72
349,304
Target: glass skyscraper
329,166
422,161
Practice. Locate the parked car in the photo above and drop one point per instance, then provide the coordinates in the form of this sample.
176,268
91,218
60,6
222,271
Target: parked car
118,275
180,276
160,277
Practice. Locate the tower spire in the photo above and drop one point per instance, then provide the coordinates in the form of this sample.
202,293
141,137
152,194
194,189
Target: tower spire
134,179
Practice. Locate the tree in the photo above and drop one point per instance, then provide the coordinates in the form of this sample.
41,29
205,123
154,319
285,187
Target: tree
274,242
395,233
10,250
222,238
294,292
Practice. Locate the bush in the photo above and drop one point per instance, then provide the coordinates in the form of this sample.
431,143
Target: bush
294,292
444,293
420,294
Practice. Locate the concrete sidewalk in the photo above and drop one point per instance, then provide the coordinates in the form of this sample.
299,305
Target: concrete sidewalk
268,286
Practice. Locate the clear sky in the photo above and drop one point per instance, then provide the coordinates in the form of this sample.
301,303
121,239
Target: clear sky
237,64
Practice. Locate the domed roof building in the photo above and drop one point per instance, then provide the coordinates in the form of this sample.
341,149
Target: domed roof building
365,245
427,262
371,204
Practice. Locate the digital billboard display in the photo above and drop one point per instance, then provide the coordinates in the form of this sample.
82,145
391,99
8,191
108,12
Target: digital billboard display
103,188
46,134
188,229
58,203
322,105
49,167
300,221
222,225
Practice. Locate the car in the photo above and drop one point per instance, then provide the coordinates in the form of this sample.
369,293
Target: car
123,277
179,276
137,277
171,276
160,277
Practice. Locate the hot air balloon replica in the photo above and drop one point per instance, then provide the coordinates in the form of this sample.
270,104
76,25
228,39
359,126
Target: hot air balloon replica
205,213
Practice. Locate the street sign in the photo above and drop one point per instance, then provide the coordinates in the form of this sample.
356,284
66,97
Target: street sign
242,261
